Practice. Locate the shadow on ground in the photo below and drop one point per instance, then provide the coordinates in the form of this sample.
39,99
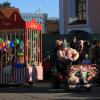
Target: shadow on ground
58,94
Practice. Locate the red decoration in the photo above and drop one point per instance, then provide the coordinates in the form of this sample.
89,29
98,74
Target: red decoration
33,24
3,44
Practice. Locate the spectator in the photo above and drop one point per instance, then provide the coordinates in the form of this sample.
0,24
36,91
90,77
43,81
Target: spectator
81,52
91,50
74,44
86,48
96,57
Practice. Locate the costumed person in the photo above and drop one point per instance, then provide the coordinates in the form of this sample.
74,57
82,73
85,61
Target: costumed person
20,60
21,57
66,56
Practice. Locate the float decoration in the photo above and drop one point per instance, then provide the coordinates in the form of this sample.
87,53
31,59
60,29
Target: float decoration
12,29
16,41
12,44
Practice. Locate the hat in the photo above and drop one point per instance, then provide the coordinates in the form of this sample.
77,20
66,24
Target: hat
20,54
58,42
63,45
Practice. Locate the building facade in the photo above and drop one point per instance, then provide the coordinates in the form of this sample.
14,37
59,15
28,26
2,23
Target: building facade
79,15
39,17
53,26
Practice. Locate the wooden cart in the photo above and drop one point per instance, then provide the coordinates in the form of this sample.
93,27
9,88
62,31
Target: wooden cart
16,36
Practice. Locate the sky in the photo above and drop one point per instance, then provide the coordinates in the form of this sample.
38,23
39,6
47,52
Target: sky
51,7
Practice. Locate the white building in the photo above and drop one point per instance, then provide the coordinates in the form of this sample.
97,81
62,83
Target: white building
79,15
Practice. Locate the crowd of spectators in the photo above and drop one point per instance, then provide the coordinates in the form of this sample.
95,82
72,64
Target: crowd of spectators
87,50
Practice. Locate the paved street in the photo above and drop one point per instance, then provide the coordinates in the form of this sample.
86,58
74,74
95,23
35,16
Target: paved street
43,91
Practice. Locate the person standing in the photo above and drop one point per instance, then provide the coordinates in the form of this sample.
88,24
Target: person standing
75,45
96,57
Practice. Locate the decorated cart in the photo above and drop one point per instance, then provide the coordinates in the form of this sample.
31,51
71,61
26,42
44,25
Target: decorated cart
20,48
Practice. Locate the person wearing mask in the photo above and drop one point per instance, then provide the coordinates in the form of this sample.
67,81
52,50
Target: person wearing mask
67,55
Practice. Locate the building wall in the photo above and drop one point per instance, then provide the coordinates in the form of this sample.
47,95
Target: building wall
67,11
94,15
53,27
63,16
66,16
71,8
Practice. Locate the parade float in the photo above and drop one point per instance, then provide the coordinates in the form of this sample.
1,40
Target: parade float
20,48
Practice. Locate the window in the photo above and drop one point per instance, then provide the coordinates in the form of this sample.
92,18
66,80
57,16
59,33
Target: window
81,9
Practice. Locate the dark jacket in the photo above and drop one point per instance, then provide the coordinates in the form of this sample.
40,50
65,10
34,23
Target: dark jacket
96,54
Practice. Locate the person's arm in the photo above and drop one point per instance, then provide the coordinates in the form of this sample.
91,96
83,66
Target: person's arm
60,55
75,55
90,53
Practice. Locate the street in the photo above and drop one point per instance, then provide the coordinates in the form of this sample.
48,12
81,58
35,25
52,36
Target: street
43,91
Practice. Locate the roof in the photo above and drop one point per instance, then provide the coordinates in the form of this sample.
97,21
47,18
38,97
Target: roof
31,16
10,18
53,18
78,22
8,11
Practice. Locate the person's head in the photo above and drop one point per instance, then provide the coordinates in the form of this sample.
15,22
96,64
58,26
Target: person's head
81,42
20,54
86,43
98,43
63,46
74,39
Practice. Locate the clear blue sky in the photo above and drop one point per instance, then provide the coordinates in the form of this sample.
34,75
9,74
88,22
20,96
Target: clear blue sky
30,6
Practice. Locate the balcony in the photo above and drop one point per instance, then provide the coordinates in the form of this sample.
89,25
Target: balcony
78,22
